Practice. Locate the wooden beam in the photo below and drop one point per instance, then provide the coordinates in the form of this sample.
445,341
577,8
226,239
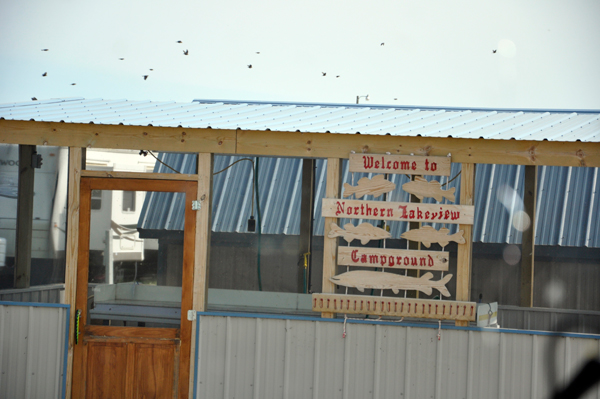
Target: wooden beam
202,253
465,251
332,190
306,223
72,246
139,175
528,239
297,144
24,231
87,135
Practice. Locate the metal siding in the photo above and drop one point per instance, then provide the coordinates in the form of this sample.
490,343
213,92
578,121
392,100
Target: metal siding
275,358
32,355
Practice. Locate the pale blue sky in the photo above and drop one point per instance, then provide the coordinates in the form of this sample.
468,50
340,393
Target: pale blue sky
436,53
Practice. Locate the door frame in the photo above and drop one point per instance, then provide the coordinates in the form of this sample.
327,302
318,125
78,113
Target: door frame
136,182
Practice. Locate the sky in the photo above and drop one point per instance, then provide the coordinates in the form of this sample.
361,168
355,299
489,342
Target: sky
488,54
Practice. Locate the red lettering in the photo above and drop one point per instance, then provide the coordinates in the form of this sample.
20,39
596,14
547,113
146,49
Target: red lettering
369,210
422,262
430,260
414,165
390,212
340,208
426,164
363,258
383,260
433,215
353,255
446,214
375,210
356,208
426,214
388,164
396,164
349,210
406,261
391,261
403,207
413,261
368,162
433,166
382,212
404,165
419,214
411,214
454,215
441,212
376,164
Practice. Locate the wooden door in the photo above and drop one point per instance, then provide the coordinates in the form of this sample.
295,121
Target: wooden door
134,337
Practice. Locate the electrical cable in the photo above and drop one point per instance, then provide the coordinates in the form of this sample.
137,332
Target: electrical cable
259,222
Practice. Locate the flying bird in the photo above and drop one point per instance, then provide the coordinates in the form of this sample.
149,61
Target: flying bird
73,84
45,74
145,77
33,99
121,59
494,51
185,52
250,66
151,69
179,41
44,49
324,73
258,52
382,44
337,76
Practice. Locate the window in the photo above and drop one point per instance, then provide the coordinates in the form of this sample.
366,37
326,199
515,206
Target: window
96,199
128,201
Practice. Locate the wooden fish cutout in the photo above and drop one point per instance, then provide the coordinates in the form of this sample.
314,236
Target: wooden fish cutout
420,187
364,232
361,279
376,186
428,234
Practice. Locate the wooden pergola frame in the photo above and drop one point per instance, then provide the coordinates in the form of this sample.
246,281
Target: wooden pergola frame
207,142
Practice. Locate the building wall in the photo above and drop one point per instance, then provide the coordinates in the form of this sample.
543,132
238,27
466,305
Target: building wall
32,350
248,357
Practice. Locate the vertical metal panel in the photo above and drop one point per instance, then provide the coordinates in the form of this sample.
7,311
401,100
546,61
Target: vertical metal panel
274,357
32,351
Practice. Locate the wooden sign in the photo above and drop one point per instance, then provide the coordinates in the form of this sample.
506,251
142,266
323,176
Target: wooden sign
361,279
376,186
421,188
393,258
364,232
428,234
400,164
402,211
395,307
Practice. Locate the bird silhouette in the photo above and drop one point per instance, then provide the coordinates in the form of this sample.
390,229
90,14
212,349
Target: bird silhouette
73,84
179,41
44,49
145,77
250,66
324,73
258,52
383,44
45,74
121,59
185,52
151,69
337,76
33,99
494,51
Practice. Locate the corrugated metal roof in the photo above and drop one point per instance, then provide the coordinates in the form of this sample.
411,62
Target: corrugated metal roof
558,125
568,200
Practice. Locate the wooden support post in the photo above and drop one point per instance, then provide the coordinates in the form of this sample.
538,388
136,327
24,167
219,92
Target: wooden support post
72,249
465,251
202,253
528,240
332,190
306,224
24,217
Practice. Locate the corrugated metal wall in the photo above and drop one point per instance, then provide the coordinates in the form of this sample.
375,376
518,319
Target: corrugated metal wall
42,293
246,357
32,350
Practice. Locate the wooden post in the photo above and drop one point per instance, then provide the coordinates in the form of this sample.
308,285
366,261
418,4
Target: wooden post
332,190
465,251
528,240
306,222
72,244
24,217
202,250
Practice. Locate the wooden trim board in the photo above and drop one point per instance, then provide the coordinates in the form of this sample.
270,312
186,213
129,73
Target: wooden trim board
395,307
139,175
399,211
465,251
332,190
298,144
393,258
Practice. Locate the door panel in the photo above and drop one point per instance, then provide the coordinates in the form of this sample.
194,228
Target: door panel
134,334
106,370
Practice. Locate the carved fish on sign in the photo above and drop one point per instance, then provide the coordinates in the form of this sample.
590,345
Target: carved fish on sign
362,279
376,186
364,232
420,187
428,234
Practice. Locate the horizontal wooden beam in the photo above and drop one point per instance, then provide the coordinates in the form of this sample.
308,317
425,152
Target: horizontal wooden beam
139,175
298,144
395,307
118,136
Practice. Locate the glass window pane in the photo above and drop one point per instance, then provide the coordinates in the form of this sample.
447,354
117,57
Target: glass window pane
135,273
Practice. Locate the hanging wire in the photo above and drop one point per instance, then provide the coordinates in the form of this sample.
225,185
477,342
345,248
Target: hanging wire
146,152
253,178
